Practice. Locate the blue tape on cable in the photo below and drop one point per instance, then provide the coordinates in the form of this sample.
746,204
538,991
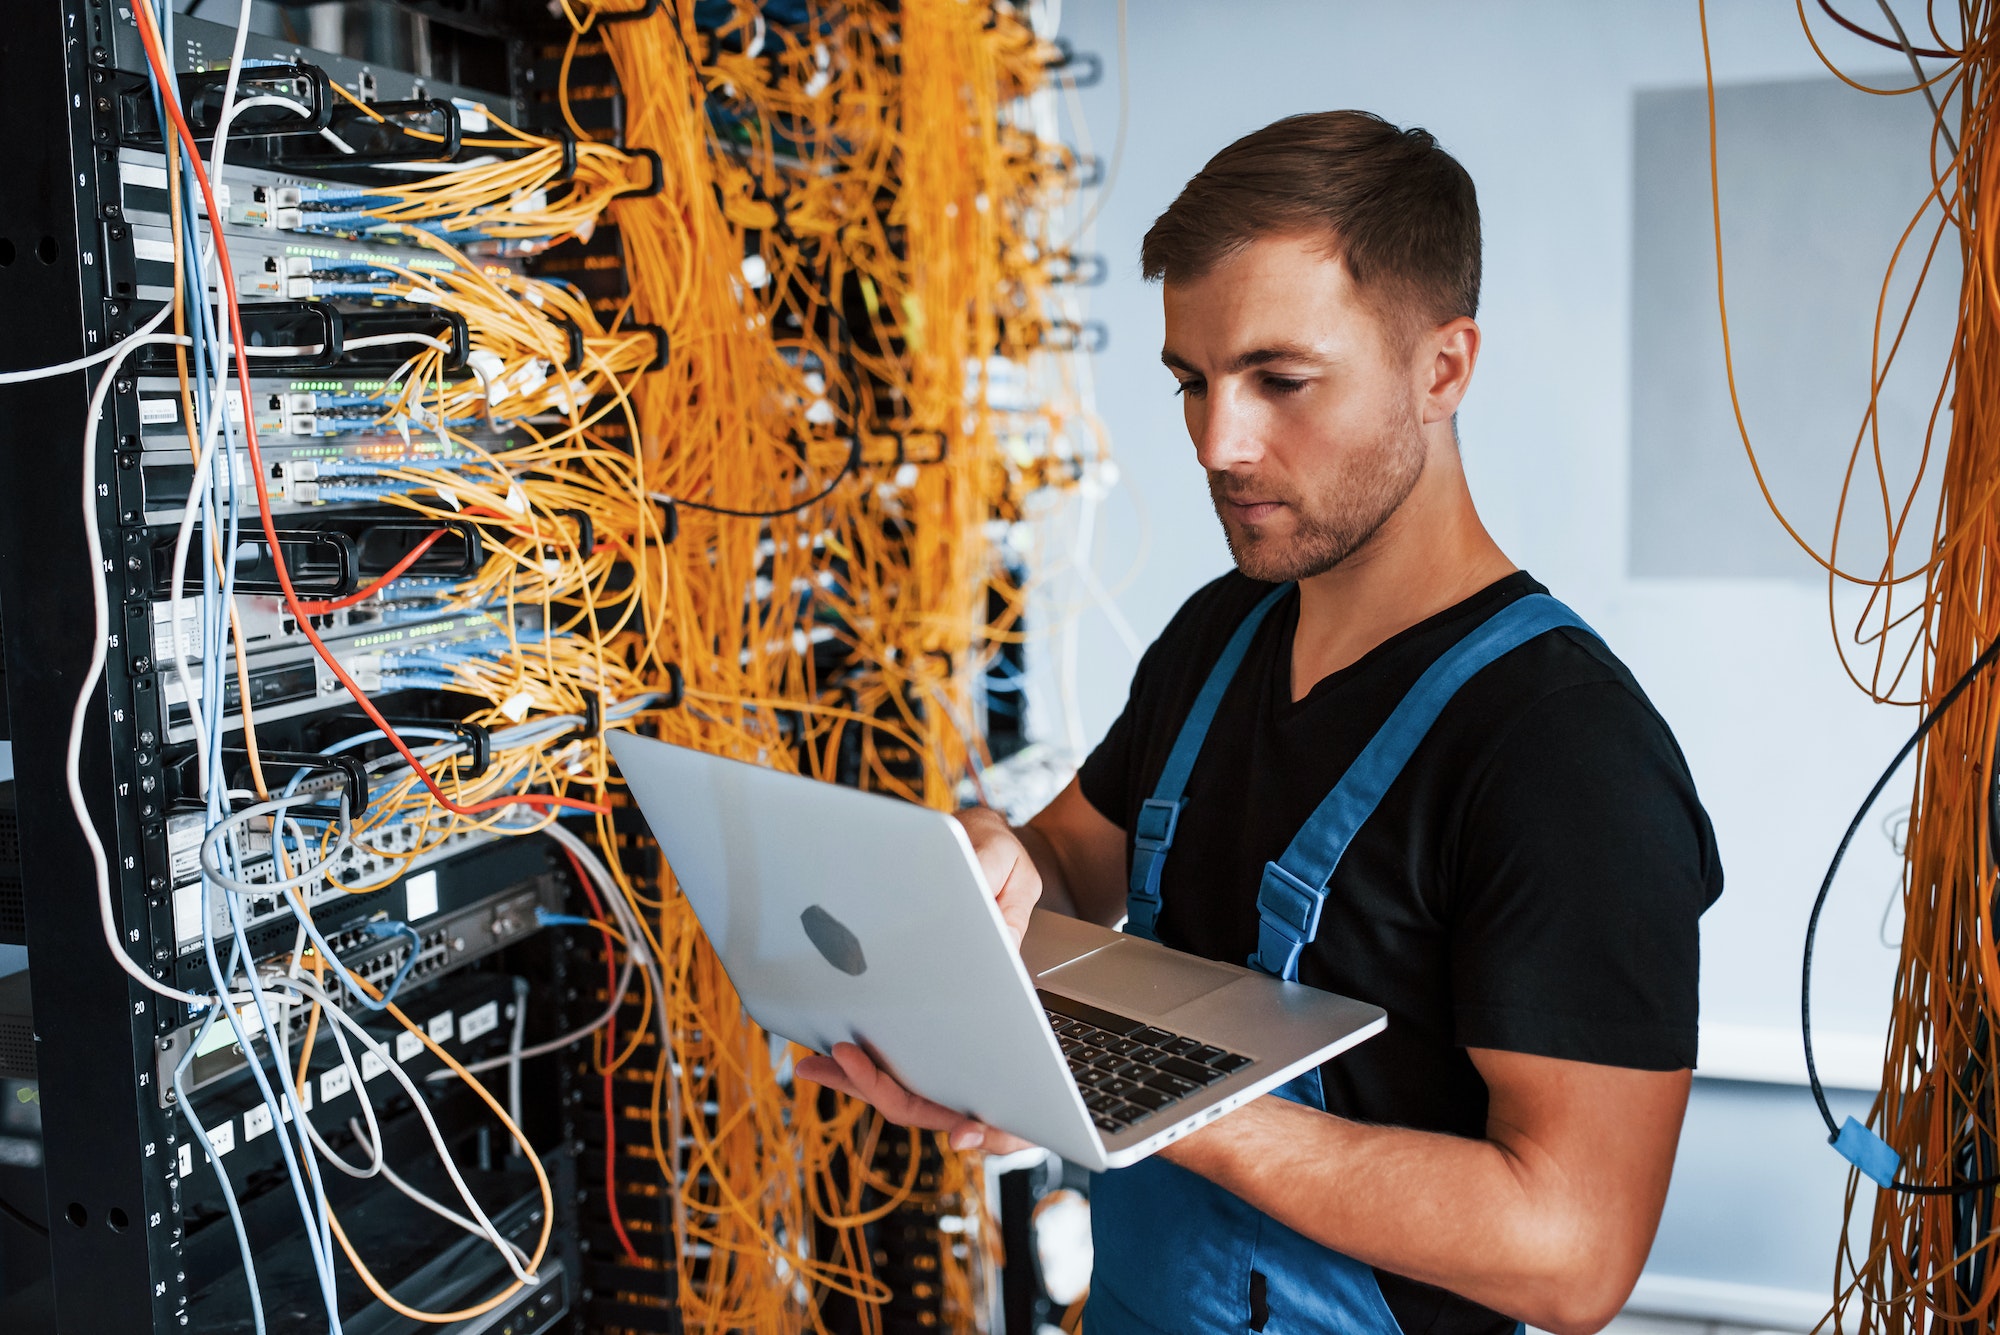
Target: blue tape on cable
1868,1152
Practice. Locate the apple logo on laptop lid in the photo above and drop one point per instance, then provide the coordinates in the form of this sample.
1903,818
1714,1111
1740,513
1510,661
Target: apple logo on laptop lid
831,939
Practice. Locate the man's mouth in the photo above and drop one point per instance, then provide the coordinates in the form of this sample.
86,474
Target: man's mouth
1251,511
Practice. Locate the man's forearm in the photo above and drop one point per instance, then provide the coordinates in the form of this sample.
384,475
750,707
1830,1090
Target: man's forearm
1056,895
1466,1215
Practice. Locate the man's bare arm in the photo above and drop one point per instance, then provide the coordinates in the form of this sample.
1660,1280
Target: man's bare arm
1548,1219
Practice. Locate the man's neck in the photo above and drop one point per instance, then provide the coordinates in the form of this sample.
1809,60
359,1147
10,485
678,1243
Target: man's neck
1430,555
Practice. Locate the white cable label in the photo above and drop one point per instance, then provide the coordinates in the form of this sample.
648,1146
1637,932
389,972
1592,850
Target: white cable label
420,895
335,1083
479,1022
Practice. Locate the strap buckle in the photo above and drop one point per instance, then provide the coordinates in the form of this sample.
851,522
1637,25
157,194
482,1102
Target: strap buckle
1289,905
1154,830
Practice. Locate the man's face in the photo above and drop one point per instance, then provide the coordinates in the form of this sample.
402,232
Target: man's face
1302,406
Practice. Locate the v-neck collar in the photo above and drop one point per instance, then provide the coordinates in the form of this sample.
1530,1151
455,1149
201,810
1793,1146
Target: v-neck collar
1516,584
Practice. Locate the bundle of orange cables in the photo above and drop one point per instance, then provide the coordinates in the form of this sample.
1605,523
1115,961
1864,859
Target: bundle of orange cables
1929,1156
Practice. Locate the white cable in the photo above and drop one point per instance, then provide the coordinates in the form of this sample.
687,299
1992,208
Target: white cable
557,1044
383,340
435,1207
514,1052
382,1054
116,351
100,634
211,865
636,942
360,1087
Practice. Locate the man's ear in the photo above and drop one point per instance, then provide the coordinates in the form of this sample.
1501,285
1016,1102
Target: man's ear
1451,351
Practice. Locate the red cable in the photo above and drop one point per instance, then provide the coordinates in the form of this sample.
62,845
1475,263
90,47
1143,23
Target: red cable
150,37
610,1044
394,573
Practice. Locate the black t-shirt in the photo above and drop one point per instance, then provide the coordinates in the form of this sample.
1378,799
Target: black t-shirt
1532,881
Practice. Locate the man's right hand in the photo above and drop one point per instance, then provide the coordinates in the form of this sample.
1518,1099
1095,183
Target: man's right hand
1009,868
1070,860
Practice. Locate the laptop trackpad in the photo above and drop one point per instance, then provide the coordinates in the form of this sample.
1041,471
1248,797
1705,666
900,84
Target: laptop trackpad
1129,976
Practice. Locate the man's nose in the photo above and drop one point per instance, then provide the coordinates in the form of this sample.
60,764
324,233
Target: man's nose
1227,433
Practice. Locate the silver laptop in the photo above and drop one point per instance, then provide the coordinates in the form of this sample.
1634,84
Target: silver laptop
849,916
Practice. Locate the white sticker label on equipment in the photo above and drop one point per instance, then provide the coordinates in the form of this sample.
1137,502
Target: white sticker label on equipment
420,896
222,1139
187,912
156,412
440,1028
482,1021
372,1066
187,1160
143,176
407,1046
256,1122
334,1083
157,252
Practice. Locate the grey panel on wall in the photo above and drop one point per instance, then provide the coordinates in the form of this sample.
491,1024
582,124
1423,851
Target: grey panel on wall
1818,182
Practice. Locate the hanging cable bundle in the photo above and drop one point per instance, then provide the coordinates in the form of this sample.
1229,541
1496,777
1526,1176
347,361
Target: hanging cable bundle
1930,1149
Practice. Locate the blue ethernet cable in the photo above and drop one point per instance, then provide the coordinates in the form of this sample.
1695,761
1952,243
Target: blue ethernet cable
394,927
214,638
186,1105
322,1249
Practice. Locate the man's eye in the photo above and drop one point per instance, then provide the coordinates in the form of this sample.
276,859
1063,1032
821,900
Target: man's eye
1194,387
1278,384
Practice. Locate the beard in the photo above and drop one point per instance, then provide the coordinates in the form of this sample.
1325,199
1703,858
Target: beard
1334,519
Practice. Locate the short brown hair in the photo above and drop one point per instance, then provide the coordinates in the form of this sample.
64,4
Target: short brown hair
1397,209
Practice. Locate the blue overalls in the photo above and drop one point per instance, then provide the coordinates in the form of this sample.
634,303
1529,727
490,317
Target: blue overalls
1175,1252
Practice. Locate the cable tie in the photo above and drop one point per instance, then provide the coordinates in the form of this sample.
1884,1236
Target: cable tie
659,181
662,345
1868,1152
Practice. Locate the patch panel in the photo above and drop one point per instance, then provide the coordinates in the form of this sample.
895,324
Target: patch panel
446,944
289,681
389,852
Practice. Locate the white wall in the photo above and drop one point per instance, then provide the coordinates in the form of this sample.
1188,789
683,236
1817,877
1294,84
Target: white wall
1535,98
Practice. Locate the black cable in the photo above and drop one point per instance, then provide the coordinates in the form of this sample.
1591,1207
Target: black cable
1979,664
784,230
22,1218
853,462
1879,39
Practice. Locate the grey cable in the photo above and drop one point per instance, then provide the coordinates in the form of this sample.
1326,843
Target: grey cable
1923,80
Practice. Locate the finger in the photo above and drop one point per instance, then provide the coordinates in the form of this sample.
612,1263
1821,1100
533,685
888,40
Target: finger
823,1071
879,1090
975,1135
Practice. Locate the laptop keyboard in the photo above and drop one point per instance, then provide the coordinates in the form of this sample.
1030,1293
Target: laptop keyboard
1128,1070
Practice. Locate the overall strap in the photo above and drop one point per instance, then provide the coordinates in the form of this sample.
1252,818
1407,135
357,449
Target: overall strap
1293,889
1159,813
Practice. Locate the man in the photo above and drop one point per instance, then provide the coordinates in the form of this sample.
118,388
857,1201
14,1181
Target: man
1524,899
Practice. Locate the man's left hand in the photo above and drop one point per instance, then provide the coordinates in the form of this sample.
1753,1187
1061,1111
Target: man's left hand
850,1071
